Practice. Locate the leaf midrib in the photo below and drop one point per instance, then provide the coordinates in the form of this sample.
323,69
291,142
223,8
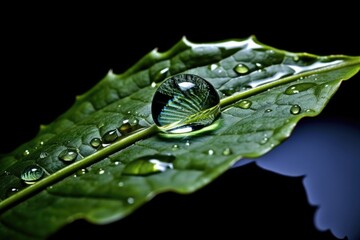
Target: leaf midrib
153,129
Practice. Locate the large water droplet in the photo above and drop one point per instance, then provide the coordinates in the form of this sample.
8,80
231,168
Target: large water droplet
184,103
32,174
68,155
150,164
295,109
110,136
244,104
241,69
294,89
95,142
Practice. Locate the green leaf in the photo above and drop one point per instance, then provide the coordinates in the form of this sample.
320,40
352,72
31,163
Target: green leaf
264,93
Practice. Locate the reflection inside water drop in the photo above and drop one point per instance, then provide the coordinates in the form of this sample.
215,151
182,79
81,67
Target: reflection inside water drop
184,103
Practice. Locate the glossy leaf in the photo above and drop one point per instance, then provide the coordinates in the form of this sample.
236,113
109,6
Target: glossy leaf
264,92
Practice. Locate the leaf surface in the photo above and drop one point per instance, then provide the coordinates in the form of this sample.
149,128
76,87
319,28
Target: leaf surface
264,92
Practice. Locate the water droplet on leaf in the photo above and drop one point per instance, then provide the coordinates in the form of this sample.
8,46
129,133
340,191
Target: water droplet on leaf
125,127
210,152
43,155
244,104
295,109
26,152
11,191
184,103
150,164
227,152
294,89
68,155
32,174
175,147
101,171
214,66
95,142
110,136
130,200
241,69
161,75
268,110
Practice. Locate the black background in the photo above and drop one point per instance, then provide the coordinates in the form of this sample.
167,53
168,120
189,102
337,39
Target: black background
50,56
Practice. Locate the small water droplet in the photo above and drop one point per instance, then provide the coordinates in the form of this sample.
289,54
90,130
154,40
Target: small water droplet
241,69
32,173
227,152
161,75
258,65
101,171
175,147
130,200
295,109
42,143
244,104
214,66
81,172
43,155
187,143
268,110
210,152
296,58
68,155
149,164
185,103
121,184
153,84
294,89
228,92
11,191
95,142
264,140
110,136
116,163
326,85
26,152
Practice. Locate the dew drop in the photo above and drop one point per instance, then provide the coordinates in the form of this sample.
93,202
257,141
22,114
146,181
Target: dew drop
125,127
148,165
153,84
185,103
187,143
268,110
101,171
214,66
130,200
244,104
295,109
43,155
110,136
121,184
294,89
210,152
228,92
258,65
161,75
241,69
26,152
11,191
32,173
227,152
175,147
95,142
68,155
264,140
81,172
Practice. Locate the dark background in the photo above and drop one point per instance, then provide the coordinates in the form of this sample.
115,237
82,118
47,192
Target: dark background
50,56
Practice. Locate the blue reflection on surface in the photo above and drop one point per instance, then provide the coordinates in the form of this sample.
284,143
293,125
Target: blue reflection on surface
328,154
